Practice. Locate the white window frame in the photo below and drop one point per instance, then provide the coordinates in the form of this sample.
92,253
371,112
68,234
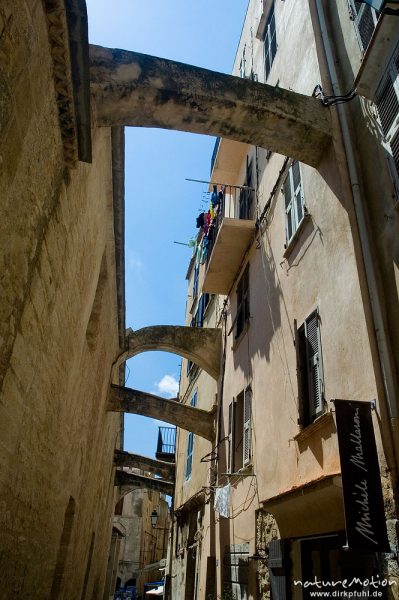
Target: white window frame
295,201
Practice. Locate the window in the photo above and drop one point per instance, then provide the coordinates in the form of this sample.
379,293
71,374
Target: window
310,370
190,443
198,321
270,41
196,280
365,19
242,316
246,195
294,202
387,101
243,64
239,438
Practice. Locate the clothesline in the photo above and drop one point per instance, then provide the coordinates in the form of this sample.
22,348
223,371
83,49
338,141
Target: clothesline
226,185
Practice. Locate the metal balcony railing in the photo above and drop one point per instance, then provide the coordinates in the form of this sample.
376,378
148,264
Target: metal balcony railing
238,202
166,445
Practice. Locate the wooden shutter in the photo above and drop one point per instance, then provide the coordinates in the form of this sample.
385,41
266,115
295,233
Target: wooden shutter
278,564
247,426
231,441
315,372
289,213
366,19
189,455
387,101
298,193
302,375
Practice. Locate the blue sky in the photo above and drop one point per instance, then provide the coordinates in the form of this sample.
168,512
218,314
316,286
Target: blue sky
160,205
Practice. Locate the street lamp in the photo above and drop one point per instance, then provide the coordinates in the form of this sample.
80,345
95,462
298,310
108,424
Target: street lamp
154,519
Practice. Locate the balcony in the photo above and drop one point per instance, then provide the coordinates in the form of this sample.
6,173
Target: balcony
227,160
377,56
232,232
166,445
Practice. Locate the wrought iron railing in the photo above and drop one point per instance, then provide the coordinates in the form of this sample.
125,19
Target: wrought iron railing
237,202
166,445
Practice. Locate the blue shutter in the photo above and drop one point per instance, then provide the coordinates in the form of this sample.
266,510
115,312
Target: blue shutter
278,564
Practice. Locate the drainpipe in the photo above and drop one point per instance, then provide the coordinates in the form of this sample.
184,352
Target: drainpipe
383,346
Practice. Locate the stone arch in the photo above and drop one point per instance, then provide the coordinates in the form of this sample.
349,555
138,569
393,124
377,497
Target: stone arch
200,345
145,91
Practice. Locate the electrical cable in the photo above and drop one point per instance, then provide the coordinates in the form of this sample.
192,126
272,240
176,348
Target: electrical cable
332,100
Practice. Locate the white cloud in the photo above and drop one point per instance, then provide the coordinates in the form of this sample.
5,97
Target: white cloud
168,386
134,262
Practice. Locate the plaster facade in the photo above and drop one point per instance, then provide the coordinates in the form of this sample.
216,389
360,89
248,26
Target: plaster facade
289,487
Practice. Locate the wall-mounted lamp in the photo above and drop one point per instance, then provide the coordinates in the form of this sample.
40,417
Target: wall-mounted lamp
154,520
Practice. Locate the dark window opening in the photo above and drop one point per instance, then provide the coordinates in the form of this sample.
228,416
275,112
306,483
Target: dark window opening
246,199
242,316
270,41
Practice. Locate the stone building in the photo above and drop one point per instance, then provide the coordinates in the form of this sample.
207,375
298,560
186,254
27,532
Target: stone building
143,548
297,264
62,307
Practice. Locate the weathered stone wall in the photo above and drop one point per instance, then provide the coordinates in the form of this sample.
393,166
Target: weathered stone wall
58,331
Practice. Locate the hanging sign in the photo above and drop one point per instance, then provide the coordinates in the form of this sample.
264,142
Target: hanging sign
364,506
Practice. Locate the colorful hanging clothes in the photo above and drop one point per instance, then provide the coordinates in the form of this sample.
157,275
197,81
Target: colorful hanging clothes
200,220
214,197
207,222
198,254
